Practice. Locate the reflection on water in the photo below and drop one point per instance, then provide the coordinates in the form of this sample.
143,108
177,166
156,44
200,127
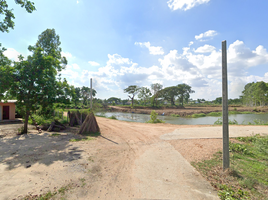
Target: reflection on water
133,117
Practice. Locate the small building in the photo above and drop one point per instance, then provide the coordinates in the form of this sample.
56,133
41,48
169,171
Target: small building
7,110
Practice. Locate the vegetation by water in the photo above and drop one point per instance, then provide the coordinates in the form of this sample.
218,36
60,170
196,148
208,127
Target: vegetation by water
219,122
247,177
154,119
218,114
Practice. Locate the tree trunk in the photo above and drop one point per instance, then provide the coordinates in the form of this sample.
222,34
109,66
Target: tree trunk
25,130
132,99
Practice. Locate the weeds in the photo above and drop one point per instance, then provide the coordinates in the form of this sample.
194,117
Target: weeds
247,178
112,117
154,119
219,122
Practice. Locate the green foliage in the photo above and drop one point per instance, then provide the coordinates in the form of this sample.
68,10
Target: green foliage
33,80
227,192
219,122
8,16
154,119
198,115
258,122
255,94
184,93
216,114
238,148
175,115
20,130
247,178
132,90
86,137
112,117
144,94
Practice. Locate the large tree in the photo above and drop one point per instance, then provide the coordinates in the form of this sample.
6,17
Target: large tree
85,94
144,94
7,15
184,92
34,80
169,94
132,90
155,87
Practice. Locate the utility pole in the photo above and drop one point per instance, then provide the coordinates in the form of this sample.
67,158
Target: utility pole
91,94
225,121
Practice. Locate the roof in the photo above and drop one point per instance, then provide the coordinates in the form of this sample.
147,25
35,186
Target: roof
8,101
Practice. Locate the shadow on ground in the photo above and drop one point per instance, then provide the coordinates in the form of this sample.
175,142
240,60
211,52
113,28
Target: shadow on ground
26,150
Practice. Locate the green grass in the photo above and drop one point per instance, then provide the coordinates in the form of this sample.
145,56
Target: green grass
175,115
112,117
198,115
86,137
219,122
247,177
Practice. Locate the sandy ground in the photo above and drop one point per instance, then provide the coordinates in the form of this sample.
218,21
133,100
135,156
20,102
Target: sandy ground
184,111
128,161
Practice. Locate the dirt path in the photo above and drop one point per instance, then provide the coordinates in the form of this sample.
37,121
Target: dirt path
184,111
128,161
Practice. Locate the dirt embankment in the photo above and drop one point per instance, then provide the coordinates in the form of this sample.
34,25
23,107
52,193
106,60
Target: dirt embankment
183,111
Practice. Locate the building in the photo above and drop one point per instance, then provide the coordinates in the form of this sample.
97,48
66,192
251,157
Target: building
7,110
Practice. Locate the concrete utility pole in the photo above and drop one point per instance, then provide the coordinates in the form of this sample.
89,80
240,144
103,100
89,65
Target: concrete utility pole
225,123
90,93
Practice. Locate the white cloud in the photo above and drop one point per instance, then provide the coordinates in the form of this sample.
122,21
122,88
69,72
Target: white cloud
200,68
93,63
67,55
184,4
205,49
206,35
76,66
152,49
12,54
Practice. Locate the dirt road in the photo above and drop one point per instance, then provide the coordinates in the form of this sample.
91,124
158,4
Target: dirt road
184,111
128,161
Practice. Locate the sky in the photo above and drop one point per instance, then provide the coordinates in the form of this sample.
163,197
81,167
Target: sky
119,43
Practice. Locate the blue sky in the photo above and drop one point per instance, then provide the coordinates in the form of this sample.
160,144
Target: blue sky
120,43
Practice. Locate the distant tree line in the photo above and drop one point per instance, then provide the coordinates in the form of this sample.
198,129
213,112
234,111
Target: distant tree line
157,93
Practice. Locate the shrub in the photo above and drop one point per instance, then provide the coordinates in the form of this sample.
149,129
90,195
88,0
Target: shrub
154,119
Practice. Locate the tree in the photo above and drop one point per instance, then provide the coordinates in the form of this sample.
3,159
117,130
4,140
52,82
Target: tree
155,88
7,20
34,80
132,90
169,94
184,92
144,94
5,73
114,99
218,100
85,94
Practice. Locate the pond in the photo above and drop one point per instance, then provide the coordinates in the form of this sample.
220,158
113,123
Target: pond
208,120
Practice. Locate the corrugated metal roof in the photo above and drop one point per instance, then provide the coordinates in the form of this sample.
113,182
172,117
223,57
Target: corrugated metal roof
8,101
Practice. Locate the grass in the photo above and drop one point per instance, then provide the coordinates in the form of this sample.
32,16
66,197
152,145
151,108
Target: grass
247,177
219,122
51,195
86,137
175,115
112,117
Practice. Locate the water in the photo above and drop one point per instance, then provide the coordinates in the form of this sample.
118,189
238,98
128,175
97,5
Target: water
133,117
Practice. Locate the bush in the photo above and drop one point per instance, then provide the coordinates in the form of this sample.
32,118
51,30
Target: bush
154,119
219,122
